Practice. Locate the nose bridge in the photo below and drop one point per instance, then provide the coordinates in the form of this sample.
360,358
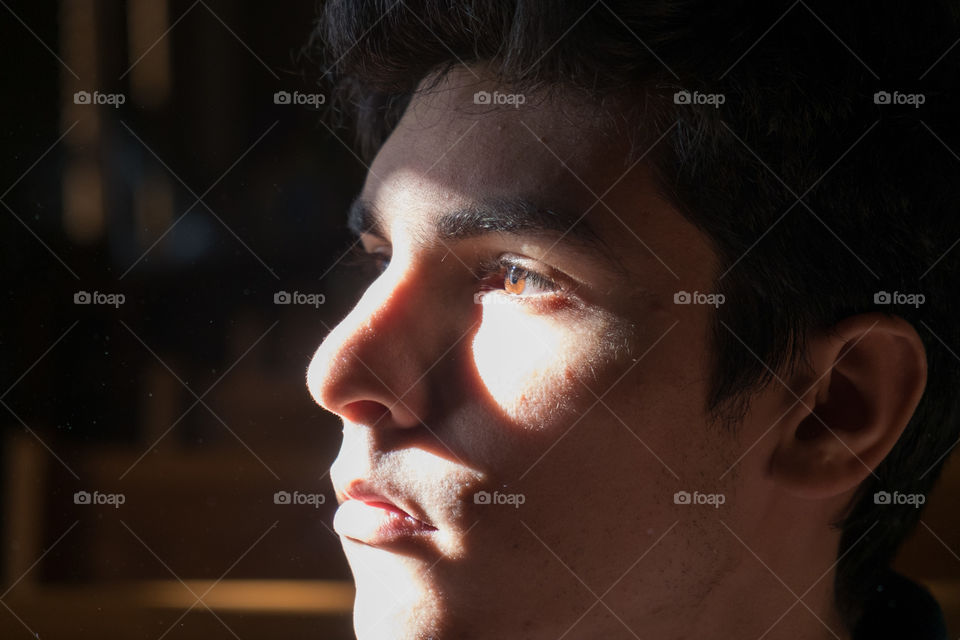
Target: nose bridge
372,363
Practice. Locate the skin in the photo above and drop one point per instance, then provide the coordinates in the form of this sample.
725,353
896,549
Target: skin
441,397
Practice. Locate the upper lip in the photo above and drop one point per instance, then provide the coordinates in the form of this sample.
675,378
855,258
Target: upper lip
365,491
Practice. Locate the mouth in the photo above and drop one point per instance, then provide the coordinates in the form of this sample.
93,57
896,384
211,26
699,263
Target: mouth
368,516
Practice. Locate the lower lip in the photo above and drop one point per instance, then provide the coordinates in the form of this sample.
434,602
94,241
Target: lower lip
376,523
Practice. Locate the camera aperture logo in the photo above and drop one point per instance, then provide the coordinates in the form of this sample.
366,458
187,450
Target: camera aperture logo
712,499
916,500
111,299
498,98
298,98
96,498
697,297
312,299
312,499
485,497
111,99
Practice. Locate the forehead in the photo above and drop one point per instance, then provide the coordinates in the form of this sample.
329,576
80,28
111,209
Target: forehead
448,152
454,151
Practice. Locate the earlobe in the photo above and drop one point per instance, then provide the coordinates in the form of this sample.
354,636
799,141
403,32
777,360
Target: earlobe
865,380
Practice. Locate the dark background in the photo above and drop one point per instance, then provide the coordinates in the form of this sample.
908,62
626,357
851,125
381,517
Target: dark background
98,398
198,199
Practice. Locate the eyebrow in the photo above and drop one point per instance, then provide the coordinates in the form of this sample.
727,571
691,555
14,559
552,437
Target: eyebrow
515,216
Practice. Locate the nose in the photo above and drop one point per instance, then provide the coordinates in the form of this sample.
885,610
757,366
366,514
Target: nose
377,366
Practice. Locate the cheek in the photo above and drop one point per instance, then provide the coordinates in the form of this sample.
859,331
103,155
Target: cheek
530,364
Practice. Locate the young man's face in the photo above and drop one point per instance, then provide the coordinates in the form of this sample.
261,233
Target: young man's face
503,353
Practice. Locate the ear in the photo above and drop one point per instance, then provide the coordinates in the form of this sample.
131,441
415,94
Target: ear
866,377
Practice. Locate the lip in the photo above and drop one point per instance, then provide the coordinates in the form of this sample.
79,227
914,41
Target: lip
367,515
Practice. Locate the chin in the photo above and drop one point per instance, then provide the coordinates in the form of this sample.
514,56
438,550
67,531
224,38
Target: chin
379,614
392,600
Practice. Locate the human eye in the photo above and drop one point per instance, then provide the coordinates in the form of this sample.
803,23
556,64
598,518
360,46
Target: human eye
371,262
514,277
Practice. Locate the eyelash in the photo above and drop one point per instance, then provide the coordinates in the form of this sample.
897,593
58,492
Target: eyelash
500,267
370,262
490,271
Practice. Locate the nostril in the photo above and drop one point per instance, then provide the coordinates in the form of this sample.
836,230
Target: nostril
366,360
365,412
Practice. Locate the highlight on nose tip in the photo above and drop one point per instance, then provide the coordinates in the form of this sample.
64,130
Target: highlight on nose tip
317,373
340,382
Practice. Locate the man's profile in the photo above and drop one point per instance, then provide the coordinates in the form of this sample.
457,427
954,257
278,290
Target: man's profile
657,342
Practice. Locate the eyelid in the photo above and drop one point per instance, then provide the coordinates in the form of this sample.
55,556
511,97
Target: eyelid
489,269
372,239
497,265
359,256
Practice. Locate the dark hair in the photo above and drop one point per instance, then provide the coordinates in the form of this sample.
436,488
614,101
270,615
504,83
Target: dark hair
804,115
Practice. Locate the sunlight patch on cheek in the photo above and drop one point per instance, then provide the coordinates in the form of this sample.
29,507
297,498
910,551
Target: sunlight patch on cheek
522,359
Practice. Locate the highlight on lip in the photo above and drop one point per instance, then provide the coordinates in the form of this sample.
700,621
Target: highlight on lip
373,520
